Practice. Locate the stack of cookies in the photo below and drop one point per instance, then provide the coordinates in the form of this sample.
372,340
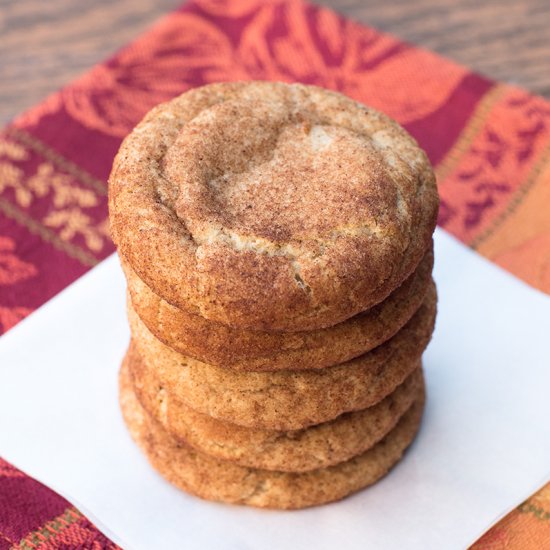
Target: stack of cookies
277,243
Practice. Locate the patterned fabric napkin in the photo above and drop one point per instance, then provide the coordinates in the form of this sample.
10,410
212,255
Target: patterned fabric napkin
34,517
489,143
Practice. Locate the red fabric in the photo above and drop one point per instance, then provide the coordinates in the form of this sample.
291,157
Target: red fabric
33,516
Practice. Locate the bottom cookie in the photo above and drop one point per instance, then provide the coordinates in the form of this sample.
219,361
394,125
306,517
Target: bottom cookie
223,481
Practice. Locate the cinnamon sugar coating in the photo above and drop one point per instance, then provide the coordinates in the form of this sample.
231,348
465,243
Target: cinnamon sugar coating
289,399
311,448
270,206
242,349
220,480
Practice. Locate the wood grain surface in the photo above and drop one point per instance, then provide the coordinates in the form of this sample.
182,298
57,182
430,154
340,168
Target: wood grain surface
45,44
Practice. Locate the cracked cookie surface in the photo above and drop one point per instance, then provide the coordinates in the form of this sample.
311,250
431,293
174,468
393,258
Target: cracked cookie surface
271,206
241,349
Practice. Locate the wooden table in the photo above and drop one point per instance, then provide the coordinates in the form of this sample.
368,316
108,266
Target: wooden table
43,45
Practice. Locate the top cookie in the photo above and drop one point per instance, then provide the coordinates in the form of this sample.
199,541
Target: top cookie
271,206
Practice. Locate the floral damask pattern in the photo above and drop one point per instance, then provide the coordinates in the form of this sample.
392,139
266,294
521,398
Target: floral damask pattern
66,528
280,40
11,174
38,195
67,207
181,51
72,222
186,49
47,180
319,47
495,165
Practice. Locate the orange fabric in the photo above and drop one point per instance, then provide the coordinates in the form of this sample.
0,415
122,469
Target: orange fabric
495,185
526,528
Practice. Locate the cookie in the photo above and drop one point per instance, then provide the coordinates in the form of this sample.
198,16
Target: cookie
288,400
291,451
221,480
271,206
218,344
